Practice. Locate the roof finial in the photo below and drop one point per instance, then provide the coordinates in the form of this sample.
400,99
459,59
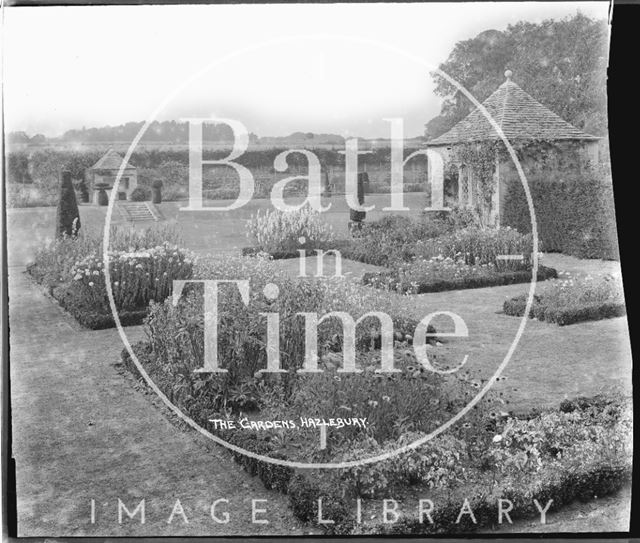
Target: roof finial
508,74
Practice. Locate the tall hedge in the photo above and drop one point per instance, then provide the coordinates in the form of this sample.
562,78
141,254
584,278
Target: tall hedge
574,217
67,211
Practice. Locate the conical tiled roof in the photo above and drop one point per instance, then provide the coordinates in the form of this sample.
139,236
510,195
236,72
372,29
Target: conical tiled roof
110,161
519,116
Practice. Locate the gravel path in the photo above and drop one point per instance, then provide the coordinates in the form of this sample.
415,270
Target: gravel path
81,432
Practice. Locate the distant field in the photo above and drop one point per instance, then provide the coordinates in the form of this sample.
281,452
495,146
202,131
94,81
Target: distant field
123,146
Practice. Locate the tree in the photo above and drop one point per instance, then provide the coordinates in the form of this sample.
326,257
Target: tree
562,64
67,214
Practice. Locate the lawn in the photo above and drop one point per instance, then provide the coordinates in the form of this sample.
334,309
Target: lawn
202,231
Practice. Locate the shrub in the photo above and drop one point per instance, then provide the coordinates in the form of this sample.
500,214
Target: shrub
67,214
437,463
392,239
573,300
575,217
140,194
464,217
278,231
304,491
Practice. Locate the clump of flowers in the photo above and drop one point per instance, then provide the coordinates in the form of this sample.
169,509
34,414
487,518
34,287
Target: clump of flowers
435,464
284,232
569,290
574,299
409,278
137,277
480,246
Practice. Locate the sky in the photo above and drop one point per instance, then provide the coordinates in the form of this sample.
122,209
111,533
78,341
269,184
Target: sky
333,68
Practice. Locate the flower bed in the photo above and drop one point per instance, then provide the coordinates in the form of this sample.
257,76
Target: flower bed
72,271
440,274
558,455
391,239
573,300
577,451
177,331
479,246
581,451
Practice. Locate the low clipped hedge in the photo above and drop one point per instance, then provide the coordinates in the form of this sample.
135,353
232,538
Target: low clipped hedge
279,255
87,315
341,245
561,487
563,316
305,487
382,279
574,217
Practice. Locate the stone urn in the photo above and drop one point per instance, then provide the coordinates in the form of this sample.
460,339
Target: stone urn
103,199
156,192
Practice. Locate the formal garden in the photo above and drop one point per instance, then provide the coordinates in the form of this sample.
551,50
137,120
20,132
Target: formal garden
577,449
439,393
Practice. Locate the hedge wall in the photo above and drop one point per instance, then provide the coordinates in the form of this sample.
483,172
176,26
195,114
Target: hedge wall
574,217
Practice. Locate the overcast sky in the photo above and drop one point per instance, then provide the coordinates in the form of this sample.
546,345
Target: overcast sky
68,67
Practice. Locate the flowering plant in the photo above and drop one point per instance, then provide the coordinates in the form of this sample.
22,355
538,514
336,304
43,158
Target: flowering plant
137,277
276,231
480,246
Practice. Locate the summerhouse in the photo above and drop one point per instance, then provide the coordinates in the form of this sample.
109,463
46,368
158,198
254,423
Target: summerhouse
540,137
104,172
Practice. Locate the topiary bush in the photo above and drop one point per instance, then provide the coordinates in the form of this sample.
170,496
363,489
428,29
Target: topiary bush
67,214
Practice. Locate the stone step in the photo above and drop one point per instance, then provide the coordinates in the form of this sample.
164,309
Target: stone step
139,211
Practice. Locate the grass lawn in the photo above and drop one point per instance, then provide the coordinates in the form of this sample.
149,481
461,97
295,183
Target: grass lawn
203,231
550,363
